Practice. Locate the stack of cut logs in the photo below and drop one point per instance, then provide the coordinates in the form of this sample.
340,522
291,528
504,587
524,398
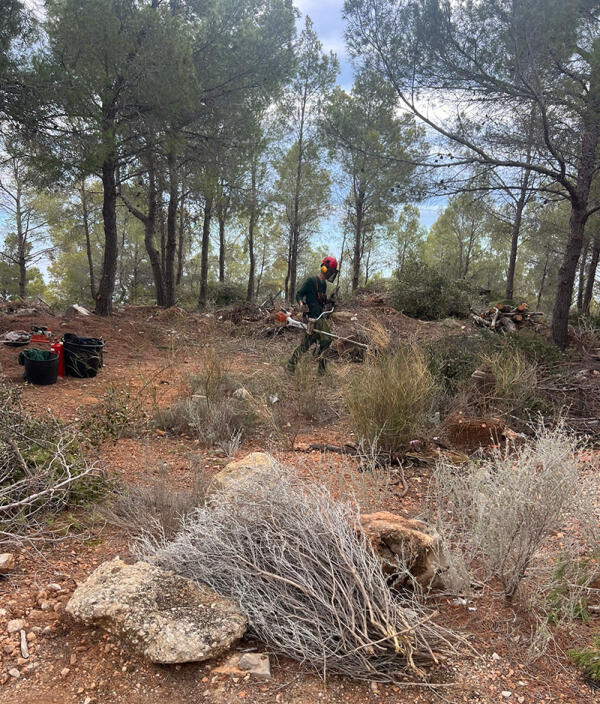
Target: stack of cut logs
504,318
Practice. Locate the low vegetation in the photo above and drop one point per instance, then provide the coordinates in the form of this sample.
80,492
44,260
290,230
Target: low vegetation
588,659
497,512
43,469
390,398
309,583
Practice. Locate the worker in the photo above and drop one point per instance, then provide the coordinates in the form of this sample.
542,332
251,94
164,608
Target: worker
313,297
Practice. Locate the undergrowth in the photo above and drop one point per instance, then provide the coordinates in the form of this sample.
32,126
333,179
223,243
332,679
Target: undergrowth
43,469
588,659
390,397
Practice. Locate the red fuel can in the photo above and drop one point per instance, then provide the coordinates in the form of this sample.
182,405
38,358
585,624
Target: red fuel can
58,348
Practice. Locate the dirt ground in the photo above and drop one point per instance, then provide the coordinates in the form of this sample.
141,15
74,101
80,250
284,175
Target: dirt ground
155,353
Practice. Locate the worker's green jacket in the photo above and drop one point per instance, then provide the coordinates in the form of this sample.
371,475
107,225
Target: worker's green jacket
314,293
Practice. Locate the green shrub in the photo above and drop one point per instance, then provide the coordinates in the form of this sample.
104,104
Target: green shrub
421,292
452,360
535,347
569,588
226,294
588,659
120,414
389,399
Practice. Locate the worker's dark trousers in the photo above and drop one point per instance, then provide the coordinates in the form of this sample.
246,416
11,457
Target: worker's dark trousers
322,341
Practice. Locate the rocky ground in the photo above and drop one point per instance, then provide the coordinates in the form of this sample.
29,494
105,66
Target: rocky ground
154,354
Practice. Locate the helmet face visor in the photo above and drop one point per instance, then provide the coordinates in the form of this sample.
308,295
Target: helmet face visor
331,275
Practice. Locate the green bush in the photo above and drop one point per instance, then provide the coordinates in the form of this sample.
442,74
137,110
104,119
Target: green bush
221,293
452,360
421,292
535,347
390,398
588,659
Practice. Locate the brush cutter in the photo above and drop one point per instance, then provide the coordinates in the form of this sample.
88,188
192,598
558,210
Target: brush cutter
284,317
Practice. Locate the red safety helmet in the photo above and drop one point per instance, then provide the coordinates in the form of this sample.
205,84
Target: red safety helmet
329,267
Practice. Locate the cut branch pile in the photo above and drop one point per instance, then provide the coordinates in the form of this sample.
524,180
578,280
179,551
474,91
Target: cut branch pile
42,468
504,318
306,578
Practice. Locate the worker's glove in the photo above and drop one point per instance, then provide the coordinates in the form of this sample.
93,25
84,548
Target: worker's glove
310,326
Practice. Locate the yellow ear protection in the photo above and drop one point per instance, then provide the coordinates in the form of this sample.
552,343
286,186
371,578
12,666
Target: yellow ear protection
324,269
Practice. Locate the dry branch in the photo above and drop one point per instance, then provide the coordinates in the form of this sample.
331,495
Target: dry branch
307,580
504,319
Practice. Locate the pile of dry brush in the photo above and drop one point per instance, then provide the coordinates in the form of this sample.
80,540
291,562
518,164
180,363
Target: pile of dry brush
307,579
42,469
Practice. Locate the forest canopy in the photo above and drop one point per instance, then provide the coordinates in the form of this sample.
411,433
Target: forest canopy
193,152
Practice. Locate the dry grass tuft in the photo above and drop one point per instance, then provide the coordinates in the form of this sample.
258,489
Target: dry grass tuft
390,397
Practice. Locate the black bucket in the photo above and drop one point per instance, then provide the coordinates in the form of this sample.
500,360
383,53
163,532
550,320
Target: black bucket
83,356
41,371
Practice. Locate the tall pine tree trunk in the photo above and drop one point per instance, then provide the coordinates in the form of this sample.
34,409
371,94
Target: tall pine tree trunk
591,277
181,239
109,260
514,239
251,225
149,239
221,247
579,215
581,285
208,203
21,244
171,243
88,243
358,236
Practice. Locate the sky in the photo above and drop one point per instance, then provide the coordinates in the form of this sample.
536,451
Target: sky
329,25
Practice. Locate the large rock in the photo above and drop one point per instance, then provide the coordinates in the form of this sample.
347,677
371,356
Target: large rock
237,470
400,542
165,617
7,562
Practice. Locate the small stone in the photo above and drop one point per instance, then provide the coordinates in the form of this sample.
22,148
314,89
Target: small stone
256,664
54,587
7,562
64,672
15,625
506,694
520,700
3,613
13,672
495,656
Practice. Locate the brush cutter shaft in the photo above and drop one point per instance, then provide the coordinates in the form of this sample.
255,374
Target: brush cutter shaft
298,324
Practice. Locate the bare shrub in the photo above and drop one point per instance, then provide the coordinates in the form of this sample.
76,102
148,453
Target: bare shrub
389,399
498,512
361,480
220,423
42,469
156,510
307,580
